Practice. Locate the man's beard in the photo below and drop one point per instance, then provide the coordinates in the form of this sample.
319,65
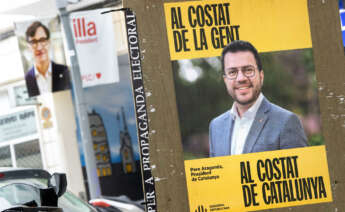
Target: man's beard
256,93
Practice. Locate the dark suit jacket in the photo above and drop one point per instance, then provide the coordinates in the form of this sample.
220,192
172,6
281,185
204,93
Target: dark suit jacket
60,79
273,128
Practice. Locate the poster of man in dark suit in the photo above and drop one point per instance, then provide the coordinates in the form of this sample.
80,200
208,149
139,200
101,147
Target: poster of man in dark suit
44,75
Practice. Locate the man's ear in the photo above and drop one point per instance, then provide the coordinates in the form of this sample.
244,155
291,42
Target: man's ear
261,73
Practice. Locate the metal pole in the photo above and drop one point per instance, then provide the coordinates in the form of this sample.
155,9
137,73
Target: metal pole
80,105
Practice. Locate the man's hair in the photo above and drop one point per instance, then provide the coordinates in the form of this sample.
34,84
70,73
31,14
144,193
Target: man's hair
31,30
240,46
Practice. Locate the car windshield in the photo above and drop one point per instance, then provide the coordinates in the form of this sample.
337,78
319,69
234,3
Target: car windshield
68,202
18,194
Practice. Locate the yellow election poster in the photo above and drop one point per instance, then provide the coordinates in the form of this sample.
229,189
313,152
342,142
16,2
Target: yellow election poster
202,28
245,114
259,181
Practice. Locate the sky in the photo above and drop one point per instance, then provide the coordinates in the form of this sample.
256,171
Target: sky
14,4
7,20
9,51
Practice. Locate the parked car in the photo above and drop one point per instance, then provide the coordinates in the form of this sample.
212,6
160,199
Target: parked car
20,180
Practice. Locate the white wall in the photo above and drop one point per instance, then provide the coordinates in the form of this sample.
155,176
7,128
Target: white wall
11,65
4,101
60,148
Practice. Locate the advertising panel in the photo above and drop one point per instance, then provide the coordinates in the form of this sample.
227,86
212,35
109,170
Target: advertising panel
245,84
113,126
94,40
301,80
17,125
113,132
42,51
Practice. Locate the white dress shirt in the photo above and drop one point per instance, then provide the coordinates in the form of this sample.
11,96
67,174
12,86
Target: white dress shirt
44,82
242,125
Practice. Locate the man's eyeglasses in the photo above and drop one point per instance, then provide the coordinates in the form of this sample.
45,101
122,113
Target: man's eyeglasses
248,71
42,41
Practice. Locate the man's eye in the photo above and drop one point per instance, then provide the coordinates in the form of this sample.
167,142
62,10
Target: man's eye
233,72
248,69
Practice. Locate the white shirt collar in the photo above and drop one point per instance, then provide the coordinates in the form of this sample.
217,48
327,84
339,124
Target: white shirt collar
48,73
251,112
44,83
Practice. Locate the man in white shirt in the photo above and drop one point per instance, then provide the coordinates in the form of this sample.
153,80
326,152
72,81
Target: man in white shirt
253,124
45,75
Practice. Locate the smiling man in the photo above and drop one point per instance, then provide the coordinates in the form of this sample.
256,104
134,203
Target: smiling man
253,124
45,75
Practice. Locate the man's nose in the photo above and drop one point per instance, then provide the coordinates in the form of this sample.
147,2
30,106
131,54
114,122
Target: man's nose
39,45
241,76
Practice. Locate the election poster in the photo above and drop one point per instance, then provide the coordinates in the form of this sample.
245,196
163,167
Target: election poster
121,156
247,104
94,40
288,72
299,45
43,56
119,123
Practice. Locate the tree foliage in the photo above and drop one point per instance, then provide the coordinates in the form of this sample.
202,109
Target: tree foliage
289,81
